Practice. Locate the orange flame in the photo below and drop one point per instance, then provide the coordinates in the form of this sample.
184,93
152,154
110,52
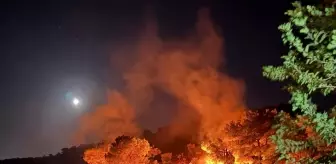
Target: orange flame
210,158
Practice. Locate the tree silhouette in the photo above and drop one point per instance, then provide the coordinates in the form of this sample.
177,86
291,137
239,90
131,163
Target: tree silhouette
250,136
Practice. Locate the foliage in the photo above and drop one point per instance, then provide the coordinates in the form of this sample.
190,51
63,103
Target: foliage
250,136
125,150
216,153
166,158
181,159
308,68
95,156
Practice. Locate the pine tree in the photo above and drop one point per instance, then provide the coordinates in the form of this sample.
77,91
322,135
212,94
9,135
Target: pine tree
125,150
308,68
250,136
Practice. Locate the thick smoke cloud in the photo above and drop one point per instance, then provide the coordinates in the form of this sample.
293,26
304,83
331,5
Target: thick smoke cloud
202,99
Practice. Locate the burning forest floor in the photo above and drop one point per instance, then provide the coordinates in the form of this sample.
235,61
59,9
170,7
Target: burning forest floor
246,141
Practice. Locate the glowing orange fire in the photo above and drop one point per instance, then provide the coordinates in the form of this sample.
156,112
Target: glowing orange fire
210,158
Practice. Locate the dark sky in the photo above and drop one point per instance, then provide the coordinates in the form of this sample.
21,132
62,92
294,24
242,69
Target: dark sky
49,48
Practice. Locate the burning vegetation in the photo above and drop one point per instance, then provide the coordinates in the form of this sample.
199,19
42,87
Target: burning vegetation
204,101
210,124
246,142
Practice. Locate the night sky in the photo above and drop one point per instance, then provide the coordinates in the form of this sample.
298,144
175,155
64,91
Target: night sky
50,48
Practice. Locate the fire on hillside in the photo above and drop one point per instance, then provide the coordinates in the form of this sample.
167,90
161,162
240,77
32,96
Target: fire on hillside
207,104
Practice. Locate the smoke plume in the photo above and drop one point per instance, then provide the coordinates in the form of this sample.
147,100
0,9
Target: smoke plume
201,98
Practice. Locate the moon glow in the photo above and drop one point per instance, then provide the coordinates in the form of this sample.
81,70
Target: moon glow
75,101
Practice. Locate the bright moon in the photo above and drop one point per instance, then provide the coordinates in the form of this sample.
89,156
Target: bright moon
75,101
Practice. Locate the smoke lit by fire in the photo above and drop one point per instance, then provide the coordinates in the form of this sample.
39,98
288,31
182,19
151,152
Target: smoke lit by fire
185,69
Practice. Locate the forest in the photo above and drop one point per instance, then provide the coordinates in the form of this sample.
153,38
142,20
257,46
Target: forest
179,150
